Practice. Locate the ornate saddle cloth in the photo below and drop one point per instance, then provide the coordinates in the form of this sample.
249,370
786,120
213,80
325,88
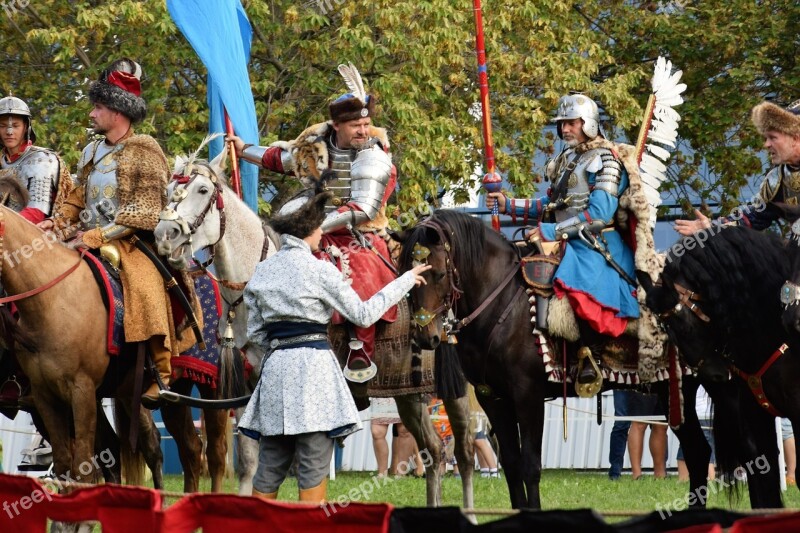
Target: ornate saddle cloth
399,370
198,365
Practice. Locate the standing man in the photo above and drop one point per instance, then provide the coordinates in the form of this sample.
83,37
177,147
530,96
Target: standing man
580,209
122,179
38,170
780,128
355,229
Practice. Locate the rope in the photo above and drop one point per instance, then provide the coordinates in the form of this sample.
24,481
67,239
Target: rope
623,513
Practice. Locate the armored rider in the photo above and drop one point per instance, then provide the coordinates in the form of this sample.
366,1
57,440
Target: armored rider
122,179
596,272
355,228
39,171
780,128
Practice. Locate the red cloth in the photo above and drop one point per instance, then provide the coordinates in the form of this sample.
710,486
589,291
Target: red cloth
22,148
118,508
224,513
126,82
33,215
767,524
602,319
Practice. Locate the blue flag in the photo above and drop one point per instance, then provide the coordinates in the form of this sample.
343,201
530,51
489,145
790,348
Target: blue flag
220,34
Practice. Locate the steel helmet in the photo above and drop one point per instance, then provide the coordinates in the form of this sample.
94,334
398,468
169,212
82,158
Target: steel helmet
578,105
11,105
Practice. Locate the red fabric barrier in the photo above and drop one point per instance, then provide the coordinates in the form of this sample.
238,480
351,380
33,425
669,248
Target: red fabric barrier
224,513
26,506
768,524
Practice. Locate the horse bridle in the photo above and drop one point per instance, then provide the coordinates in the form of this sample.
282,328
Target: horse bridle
686,298
179,194
423,317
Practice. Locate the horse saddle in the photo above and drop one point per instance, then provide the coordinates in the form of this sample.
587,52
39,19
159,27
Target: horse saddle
538,271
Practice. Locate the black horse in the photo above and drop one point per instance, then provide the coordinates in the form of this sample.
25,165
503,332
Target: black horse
476,273
719,299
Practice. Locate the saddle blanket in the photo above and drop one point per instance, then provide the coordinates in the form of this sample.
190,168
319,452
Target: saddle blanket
198,365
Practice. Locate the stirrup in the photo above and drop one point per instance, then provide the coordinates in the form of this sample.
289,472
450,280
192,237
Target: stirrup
358,375
588,390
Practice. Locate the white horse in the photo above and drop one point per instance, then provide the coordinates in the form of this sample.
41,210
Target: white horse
205,214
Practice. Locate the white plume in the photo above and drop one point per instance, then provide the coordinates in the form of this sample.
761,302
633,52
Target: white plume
183,163
353,80
662,128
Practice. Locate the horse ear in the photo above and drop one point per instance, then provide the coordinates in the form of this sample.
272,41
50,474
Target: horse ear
220,163
644,280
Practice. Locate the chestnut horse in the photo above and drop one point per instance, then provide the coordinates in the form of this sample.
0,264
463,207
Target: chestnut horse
205,214
61,346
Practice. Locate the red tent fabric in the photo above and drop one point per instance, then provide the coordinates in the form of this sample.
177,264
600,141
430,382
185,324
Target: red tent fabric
223,513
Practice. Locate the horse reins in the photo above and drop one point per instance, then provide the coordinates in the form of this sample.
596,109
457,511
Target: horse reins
33,292
686,298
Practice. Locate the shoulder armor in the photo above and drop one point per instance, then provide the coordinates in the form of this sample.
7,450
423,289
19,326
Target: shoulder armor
608,175
771,184
86,157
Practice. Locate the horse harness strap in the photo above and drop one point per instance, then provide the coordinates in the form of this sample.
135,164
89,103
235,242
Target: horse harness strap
687,298
489,299
754,380
49,284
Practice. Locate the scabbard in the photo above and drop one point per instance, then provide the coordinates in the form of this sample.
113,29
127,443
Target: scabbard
173,288
587,237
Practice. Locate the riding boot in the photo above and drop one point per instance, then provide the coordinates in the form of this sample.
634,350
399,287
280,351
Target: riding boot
265,495
315,495
161,358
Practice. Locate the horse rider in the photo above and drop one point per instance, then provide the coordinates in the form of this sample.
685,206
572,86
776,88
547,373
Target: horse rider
301,402
596,272
122,179
39,171
780,128
355,229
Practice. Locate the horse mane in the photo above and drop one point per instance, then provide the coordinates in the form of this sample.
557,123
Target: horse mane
738,271
467,239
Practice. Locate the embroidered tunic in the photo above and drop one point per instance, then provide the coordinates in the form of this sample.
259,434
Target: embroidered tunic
302,390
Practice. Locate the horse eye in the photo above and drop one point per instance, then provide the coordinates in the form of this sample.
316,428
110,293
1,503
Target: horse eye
438,276
204,190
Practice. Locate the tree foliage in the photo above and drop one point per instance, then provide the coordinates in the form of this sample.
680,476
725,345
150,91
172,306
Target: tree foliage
419,58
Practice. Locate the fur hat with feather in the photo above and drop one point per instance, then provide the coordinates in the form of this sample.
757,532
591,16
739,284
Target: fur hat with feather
357,103
770,117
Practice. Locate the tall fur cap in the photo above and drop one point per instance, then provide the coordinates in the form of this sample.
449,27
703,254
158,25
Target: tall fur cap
115,97
770,117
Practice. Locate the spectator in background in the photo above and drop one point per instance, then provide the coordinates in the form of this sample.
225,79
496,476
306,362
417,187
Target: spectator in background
619,435
383,413
789,453
640,404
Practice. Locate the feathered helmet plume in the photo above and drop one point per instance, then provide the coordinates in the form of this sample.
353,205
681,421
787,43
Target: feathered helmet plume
355,104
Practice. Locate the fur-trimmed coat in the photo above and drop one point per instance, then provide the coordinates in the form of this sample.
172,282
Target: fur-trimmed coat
310,154
142,176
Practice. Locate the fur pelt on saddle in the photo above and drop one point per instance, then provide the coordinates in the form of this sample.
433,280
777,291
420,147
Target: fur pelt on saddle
632,217
310,154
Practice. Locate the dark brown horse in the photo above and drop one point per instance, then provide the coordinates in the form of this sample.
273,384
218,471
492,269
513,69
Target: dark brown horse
719,299
478,270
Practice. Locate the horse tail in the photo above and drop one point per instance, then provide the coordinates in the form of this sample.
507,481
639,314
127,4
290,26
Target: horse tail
12,334
450,380
131,461
230,370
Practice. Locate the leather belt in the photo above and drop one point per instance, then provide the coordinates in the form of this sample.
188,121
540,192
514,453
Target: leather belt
274,344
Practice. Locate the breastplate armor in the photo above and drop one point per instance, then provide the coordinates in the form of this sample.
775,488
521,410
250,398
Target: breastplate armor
340,162
37,170
101,199
577,189
791,185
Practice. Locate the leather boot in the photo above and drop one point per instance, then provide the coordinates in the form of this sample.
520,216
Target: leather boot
315,495
161,358
265,495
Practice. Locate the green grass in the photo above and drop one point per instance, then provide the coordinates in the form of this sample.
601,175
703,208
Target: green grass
560,489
